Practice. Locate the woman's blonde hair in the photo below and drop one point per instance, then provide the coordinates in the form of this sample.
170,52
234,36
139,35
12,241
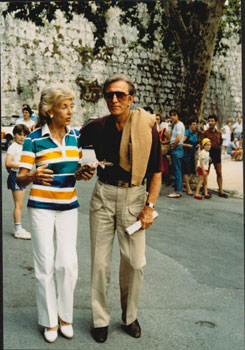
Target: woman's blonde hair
51,95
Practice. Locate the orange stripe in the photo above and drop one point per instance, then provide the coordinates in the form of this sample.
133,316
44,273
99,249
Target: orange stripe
72,153
27,159
48,156
52,195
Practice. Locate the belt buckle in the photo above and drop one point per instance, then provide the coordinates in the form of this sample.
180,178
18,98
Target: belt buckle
123,184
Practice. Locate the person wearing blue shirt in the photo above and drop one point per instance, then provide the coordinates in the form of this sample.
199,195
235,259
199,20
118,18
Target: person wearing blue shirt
190,143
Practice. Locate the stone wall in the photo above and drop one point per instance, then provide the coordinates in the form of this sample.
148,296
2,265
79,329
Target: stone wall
34,56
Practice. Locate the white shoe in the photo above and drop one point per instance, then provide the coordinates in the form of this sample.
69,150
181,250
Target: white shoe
23,234
50,336
67,331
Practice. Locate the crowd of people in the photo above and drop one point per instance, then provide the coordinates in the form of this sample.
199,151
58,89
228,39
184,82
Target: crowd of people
47,154
179,147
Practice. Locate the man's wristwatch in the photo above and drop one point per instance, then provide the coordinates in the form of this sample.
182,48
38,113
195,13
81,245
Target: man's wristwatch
151,205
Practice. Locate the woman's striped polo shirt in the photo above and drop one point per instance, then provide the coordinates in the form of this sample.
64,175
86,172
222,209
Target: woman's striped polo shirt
40,148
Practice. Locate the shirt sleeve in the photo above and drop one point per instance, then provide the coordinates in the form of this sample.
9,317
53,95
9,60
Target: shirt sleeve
27,158
77,135
179,129
86,135
11,150
202,154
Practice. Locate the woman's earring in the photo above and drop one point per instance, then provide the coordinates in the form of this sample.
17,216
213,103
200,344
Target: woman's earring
51,116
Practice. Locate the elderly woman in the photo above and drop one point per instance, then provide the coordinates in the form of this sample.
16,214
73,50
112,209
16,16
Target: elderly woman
53,204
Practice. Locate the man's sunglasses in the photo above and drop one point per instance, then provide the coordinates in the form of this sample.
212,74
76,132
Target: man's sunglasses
120,95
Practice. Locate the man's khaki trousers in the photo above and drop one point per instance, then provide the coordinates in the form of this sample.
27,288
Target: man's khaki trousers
113,209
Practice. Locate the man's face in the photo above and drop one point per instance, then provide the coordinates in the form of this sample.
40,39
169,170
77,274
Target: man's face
211,123
193,126
119,102
174,117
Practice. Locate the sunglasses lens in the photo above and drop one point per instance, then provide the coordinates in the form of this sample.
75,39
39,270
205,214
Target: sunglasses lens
120,95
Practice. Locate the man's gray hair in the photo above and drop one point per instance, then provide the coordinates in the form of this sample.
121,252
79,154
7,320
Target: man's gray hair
119,77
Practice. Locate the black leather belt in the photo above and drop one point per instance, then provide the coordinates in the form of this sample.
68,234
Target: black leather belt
117,183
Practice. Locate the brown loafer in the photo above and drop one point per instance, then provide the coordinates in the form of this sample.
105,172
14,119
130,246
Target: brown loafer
134,329
100,334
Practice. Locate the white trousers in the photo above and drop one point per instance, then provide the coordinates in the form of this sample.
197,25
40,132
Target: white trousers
55,269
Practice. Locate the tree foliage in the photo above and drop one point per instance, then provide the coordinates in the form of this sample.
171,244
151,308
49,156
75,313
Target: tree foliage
190,31
153,29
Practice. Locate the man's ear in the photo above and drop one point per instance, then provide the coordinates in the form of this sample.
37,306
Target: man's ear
130,100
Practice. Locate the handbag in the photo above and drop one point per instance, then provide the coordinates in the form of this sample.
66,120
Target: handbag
165,149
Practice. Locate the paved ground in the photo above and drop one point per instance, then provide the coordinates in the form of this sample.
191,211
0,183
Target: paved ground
232,177
193,291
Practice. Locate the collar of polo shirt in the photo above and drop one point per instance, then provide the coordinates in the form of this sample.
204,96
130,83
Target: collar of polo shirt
46,131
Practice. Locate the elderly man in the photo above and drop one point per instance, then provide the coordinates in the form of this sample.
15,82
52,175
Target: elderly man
129,141
237,129
215,135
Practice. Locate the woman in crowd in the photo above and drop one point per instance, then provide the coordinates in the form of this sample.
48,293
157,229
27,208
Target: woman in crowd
190,143
27,118
53,205
165,139
226,136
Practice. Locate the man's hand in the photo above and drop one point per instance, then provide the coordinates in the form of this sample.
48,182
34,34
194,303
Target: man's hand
84,172
146,217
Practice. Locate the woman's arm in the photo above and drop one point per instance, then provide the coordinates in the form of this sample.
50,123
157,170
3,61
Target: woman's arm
167,136
41,175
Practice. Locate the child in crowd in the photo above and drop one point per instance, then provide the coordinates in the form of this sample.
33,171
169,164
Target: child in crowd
12,164
203,169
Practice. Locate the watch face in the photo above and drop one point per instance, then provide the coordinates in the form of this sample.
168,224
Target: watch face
150,205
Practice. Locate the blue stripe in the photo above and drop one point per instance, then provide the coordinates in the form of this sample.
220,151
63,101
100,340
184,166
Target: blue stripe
64,167
65,181
52,206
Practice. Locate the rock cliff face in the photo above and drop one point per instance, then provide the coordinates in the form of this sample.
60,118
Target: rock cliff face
62,52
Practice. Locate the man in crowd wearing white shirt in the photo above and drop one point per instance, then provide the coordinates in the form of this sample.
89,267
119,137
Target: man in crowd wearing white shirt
237,129
177,153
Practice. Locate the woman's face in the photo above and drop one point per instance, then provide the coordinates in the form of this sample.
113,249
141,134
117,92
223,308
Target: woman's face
26,115
158,119
62,113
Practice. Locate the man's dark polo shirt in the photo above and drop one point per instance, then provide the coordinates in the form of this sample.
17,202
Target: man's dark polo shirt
215,136
105,138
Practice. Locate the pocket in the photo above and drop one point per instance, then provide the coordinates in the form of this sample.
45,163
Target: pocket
96,200
95,204
135,210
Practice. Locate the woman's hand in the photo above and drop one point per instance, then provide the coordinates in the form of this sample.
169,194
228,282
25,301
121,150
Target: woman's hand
43,175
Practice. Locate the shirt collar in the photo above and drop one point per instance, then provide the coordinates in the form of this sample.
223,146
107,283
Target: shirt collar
215,130
46,131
